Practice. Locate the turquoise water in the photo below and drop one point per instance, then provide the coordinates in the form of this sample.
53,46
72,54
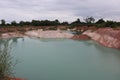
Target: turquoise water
65,59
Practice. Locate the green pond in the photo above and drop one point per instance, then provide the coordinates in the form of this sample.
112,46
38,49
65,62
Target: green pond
64,59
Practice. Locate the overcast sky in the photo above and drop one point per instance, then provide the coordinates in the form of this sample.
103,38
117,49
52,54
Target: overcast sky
64,10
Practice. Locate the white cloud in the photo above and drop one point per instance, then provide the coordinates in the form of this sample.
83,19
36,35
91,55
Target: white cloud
62,9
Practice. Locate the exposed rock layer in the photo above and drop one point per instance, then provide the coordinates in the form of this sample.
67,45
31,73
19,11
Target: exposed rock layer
48,34
38,34
106,36
80,37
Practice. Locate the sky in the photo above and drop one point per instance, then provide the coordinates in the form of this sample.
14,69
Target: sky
63,10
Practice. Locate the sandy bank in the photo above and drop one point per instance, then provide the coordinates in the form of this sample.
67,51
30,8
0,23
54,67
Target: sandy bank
39,34
48,34
11,35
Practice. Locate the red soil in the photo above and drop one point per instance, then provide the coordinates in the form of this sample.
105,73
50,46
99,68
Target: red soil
80,37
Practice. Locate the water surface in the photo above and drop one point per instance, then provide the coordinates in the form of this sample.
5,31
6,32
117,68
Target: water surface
65,59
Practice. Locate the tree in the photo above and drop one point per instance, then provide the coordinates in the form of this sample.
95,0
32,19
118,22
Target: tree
6,60
3,22
76,22
110,24
65,23
55,23
89,20
100,21
21,23
14,23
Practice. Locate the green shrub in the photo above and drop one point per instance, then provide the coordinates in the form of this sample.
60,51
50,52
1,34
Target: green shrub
6,61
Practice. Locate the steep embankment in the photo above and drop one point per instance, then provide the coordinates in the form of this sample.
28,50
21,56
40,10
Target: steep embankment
38,34
106,36
48,34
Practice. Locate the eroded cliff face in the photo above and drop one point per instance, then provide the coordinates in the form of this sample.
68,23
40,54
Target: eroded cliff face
48,34
105,36
39,34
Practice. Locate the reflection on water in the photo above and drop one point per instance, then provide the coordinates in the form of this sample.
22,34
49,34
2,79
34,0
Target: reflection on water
6,62
49,39
107,51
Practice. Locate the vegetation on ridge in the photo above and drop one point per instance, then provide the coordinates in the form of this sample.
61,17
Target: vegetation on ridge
79,26
88,21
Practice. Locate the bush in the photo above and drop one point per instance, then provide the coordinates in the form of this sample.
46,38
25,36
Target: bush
6,62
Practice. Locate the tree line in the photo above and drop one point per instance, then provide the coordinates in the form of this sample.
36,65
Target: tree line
88,21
